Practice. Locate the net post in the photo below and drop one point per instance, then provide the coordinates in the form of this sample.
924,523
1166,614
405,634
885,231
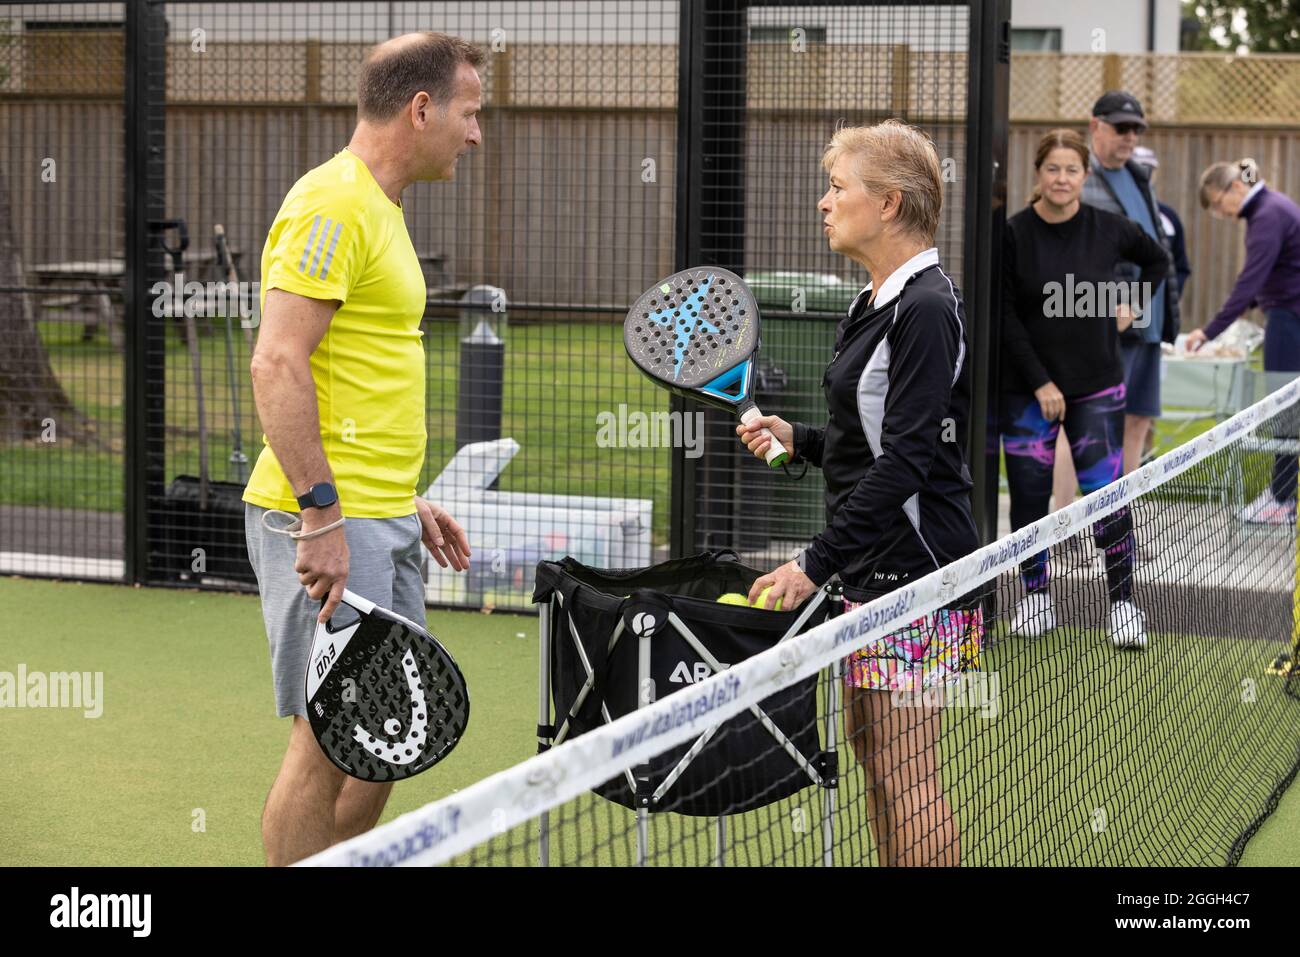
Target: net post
544,717
645,695
1290,684
641,835
832,749
835,591
720,857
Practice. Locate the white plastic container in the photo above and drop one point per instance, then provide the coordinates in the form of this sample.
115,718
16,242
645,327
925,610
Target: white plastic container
510,532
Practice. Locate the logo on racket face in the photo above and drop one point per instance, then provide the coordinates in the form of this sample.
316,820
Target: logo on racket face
411,746
325,660
692,326
685,321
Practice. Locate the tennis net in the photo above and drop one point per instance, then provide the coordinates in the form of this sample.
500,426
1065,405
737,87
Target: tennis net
1075,747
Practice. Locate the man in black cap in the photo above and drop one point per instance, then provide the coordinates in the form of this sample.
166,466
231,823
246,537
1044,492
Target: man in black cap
1119,184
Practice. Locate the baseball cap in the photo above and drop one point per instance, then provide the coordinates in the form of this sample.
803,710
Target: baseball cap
1119,106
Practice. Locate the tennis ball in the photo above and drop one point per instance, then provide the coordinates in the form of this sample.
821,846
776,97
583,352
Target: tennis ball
733,598
761,601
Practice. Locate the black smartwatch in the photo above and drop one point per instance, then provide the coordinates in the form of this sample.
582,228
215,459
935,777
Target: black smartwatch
320,495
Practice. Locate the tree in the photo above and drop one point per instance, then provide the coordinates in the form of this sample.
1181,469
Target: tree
33,404
1247,26
32,401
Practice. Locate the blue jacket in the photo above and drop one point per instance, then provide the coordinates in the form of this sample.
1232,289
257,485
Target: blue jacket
1097,192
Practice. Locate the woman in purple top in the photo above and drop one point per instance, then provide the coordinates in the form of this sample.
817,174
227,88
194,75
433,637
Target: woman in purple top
1269,280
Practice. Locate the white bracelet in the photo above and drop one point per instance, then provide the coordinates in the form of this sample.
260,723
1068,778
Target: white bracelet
294,528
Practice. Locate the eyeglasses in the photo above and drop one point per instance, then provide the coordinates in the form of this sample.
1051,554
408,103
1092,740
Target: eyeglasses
1123,129
1214,204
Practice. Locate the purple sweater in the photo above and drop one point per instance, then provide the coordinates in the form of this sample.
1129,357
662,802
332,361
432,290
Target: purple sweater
1271,276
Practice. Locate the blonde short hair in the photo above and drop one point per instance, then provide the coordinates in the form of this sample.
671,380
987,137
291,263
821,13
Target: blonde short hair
895,156
1219,176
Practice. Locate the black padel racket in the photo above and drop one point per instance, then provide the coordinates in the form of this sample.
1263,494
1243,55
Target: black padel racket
385,699
696,333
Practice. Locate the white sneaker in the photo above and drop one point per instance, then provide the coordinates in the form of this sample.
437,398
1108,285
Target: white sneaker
1127,626
1266,510
1035,616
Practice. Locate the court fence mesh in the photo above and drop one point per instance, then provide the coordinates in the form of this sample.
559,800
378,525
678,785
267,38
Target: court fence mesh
1070,748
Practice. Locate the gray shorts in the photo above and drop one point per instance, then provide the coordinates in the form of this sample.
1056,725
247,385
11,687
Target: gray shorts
383,566
1141,378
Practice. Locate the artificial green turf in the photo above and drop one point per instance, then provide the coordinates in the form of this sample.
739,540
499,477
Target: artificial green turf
188,724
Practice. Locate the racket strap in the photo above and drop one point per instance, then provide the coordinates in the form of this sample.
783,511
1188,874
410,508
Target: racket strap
294,528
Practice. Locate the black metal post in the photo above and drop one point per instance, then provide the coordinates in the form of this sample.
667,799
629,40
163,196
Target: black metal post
711,231
681,527
986,192
145,393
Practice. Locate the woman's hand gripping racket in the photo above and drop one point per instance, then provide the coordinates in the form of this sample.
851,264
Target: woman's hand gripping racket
697,334
385,699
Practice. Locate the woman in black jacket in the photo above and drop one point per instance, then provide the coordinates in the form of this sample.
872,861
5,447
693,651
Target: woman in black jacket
897,485
1062,314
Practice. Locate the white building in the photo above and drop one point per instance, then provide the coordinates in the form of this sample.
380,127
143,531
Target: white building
1095,26
1069,26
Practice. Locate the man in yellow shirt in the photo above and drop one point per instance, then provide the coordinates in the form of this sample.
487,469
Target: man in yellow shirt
338,376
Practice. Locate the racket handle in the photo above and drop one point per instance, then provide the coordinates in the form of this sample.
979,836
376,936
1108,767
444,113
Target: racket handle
357,602
776,454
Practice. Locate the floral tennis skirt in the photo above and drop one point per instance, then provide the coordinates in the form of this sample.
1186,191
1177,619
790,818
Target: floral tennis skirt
935,649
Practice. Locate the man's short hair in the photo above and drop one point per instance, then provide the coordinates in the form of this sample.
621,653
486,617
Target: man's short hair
391,78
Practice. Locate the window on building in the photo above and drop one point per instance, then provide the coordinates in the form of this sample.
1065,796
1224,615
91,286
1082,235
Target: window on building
767,34
1036,39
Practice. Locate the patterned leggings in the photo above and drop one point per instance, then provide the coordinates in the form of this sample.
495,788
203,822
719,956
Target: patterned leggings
1094,425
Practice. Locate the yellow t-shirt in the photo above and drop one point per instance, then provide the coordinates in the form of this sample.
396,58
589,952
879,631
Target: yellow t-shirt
338,236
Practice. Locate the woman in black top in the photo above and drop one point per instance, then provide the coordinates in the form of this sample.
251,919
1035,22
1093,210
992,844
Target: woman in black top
1063,311
897,486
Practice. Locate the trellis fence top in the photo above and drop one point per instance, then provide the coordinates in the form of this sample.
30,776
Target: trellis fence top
1182,89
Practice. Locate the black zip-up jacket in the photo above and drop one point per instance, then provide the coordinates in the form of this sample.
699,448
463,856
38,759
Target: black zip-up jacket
892,451
1098,192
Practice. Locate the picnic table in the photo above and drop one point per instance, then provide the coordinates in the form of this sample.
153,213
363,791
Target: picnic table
101,281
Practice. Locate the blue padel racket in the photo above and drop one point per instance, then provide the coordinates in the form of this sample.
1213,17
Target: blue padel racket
696,334
385,699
